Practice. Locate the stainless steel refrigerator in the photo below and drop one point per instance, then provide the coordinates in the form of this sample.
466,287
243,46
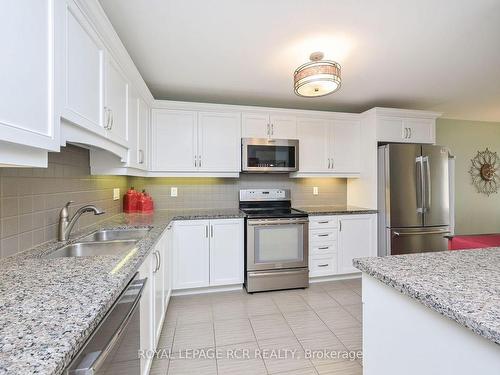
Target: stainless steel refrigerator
413,198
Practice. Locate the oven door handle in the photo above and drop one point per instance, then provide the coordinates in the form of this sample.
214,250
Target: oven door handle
252,222
92,362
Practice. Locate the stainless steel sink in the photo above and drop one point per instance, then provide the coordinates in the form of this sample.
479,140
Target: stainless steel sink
87,249
117,234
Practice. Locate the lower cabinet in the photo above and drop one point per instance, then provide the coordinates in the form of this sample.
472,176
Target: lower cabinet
157,268
334,241
208,253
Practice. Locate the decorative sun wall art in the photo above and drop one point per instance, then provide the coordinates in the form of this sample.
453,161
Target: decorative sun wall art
484,172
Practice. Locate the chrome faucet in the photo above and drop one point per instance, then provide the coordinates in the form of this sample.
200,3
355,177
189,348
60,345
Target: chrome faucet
66,224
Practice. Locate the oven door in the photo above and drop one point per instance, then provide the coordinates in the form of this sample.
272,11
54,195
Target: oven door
277,243
269,155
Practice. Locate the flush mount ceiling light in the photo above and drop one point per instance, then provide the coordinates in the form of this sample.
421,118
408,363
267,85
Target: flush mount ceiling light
317,78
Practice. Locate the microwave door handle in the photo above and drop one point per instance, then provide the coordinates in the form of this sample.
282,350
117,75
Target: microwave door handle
93,361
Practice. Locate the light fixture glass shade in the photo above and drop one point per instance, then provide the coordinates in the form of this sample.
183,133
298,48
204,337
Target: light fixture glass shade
317,78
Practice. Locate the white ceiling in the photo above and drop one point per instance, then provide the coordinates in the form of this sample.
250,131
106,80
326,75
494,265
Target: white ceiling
441,55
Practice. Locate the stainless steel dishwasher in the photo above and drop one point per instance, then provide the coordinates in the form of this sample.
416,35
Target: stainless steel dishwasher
114,345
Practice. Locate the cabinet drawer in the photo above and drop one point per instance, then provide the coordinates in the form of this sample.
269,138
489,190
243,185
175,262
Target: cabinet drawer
322,235
323,266
319,222
322,249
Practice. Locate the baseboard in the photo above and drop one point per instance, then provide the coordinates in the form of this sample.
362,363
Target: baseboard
210,289
347,276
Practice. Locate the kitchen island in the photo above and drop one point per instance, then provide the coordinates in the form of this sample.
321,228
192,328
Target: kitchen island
432,313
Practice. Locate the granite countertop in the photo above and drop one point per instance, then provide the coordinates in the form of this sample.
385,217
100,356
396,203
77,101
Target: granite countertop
49,307
462,285
336,210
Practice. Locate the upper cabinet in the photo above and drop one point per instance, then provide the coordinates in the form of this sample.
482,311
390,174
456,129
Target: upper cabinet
82,99
199,142
269,125
116,102
401,126
328,147
27,108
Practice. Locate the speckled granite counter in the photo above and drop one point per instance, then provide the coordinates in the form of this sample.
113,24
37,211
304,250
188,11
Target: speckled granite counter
336,210
462,285
49,307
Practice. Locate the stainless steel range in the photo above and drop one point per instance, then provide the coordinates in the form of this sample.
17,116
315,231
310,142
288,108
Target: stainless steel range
276,241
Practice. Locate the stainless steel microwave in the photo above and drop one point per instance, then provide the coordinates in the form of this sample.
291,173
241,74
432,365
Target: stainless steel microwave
262,155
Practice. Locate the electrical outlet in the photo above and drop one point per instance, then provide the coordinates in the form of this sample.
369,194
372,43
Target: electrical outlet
116,194
173,191
315,190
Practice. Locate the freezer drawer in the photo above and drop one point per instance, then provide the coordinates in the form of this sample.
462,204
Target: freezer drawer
417,240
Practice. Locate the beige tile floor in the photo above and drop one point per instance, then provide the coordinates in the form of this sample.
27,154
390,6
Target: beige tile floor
223,326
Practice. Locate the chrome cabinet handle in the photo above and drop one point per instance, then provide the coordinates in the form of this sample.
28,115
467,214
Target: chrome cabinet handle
157,261
199,161
323,265
332,163
329,163
141,156
106,118
211,231
323,235
206,231
272,129
409,133
323,248
195,161
322,222
340,225
268,130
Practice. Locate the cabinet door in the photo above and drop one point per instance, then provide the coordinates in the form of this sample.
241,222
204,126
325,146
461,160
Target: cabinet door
390,129
26,73
219,142
133,128
116,102
167,266
191,254
174,137
159,290
345,135
255,125
83,72
147,311
143,134
283,126
357,238
313,144
226,252
420,130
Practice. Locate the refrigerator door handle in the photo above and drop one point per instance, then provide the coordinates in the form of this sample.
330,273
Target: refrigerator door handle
426,162
420,184
398,234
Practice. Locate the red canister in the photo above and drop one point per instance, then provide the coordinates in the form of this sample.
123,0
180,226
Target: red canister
130,201
145,203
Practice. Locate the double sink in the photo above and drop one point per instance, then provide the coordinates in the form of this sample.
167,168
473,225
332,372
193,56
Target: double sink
102,242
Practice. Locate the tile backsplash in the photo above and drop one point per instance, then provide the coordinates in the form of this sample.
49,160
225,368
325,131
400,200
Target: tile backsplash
223,192
31,198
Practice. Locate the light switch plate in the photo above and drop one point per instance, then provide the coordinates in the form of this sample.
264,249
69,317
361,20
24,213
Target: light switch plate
173,191
315,190
116,194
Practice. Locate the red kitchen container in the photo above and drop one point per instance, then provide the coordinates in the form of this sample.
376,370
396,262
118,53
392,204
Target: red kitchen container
145,203
130,200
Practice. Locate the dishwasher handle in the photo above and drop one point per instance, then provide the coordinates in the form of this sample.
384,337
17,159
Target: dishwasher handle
92,362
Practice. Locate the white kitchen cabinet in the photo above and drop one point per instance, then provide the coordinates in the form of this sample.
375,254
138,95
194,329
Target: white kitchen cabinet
357,238
29,58
314,145
219,137
323,245
116,102
159,275
143,133
174,140
226,255
191,254
82,99
406,129
147,311
328,147
208,253
265,125
188,141
345,142
133,129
